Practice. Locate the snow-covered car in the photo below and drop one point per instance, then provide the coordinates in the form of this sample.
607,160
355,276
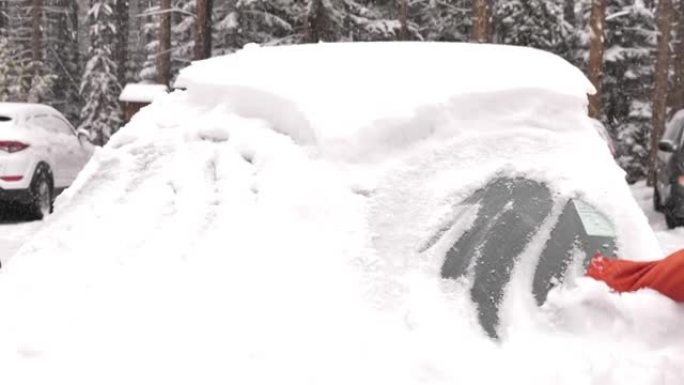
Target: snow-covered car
40,155
413,213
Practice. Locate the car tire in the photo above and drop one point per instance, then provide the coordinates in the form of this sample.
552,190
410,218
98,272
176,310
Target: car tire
670,219
41,190
657,206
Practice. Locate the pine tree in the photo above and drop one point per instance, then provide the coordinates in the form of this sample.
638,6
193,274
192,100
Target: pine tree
276,22
148,41
628,80
147,52
26,37
533,23
267,22
100,88
122,17
569,12
137,53
323,21
63,57
377,21
662,71
4,19
183,35
40,84
443,20
576,45
9,87
356,20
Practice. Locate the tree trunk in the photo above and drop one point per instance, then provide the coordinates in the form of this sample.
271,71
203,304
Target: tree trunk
164,54
122,30
203,29
313,21
662,68
74,10
318,22
403,20
3,18
569,12
482,16
596,48
677,97
36,31
230,41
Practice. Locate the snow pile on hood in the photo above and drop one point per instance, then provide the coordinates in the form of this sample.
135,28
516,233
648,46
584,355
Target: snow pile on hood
227,236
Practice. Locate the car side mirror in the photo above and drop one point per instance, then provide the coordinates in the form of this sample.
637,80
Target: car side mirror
666,146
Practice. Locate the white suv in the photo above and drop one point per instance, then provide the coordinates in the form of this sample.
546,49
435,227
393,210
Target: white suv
40,155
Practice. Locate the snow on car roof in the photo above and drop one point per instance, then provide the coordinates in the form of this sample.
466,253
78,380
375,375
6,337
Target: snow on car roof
23,109
142,92
442,68
331,90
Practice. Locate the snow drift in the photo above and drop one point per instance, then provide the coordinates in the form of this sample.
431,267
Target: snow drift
268,225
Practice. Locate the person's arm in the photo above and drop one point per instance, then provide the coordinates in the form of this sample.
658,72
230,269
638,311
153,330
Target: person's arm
665,276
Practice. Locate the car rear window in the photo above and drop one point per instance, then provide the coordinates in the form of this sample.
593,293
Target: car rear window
510,212
5,118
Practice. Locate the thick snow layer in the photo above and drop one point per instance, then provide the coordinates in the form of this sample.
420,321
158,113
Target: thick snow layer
202,245
141,92
22,110
324,92
14,231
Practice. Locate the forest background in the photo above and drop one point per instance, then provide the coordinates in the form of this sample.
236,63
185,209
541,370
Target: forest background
76,55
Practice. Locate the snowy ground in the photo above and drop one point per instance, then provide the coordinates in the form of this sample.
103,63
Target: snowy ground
14,231
670,240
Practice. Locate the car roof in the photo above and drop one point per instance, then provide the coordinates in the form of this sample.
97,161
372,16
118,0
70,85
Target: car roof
371,79
21,110
458,67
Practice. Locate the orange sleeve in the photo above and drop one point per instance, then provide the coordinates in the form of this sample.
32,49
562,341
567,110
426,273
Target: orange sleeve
665,276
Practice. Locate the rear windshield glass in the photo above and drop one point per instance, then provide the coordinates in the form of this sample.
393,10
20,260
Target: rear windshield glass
4,118
510,212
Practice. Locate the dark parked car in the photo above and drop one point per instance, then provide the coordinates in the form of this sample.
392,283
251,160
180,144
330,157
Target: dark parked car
668,192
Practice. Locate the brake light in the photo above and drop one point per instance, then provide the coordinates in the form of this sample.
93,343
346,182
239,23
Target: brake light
12,146
12,178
